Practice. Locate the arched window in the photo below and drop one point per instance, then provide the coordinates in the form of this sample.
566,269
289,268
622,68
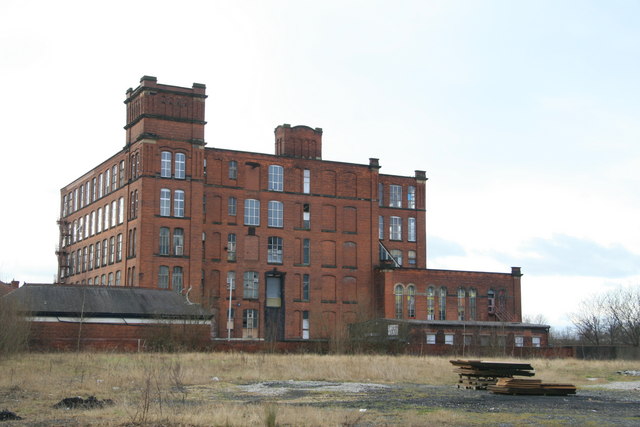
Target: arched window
165,202
165,164
399,294
431,309
178,203
472,304
164,241
231,247
251,212
491,301
443,303
411,301
176,279
163,277
275,214
461,303
180,165
178,241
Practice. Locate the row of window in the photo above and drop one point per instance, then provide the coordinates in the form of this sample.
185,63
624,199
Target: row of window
395,196
111,279
484,340
178,203
275,179
395,228
176,279
251,285
275,250
250,323
172,166
96,255
105,183
395,256
95,222
466,299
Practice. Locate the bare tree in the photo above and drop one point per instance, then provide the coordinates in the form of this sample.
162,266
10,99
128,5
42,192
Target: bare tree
538,319
610,318
623,309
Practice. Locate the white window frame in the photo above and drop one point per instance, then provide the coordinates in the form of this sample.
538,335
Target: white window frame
306,181
180,165
395,196
276,178
251,285
395,228
275,250
411,197
448,339
411,229
275,214
431,338
178,203
165,202
252,212
165,164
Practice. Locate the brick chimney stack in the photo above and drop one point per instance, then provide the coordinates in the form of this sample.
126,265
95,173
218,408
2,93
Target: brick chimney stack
298,141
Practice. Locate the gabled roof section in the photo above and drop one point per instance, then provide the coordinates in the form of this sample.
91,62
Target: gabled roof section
99,301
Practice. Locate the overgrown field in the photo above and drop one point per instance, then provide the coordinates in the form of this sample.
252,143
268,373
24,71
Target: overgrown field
194,388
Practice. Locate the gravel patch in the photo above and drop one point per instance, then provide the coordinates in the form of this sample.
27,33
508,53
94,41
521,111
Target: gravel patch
618,404
618,385
276,388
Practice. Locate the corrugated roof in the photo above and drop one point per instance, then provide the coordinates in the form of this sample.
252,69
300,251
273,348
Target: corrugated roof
97,301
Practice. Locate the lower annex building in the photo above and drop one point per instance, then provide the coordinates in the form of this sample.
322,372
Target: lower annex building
279,247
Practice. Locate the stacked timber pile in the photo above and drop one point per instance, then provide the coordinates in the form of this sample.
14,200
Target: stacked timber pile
531,387
478,375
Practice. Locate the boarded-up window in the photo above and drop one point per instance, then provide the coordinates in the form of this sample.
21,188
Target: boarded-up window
328,324
213,286
214,208
328,218
329,288
251,248
349,219
252,175
329,183
349,255
349,317
328,253
349,289
213,241
214,171
348,185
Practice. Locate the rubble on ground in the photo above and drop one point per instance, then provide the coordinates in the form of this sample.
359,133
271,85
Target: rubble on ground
79,403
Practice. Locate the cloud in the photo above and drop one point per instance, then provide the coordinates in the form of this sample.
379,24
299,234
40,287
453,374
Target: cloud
572,256
438,248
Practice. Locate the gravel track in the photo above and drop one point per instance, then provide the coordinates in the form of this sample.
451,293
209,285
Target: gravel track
607,404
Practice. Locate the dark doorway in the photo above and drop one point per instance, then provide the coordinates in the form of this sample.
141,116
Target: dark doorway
274,306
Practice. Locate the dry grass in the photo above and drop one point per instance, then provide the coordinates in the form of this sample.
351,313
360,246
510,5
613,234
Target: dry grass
188,388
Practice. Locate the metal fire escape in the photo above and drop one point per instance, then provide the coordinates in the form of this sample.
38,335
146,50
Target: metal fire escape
61,251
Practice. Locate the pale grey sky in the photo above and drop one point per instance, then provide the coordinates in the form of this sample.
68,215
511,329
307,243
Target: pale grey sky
524,115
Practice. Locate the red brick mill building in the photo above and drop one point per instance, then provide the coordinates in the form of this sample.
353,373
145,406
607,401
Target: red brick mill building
279,247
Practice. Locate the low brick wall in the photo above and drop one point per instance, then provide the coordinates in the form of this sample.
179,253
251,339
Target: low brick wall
121,337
